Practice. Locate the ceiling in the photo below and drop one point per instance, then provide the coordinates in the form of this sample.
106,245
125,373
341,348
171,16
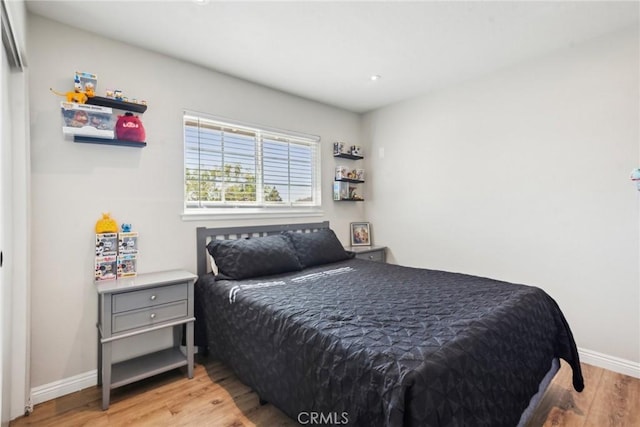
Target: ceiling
327,51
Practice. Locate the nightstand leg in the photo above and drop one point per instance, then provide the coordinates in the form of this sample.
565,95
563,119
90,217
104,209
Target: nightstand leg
99,361
106,375
99,342
189,342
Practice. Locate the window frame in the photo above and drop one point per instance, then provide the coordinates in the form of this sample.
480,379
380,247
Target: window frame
264,210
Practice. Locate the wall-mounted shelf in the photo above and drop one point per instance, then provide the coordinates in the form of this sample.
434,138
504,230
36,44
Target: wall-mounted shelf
354,181
120,105
103,141
113,104
348,156
343,191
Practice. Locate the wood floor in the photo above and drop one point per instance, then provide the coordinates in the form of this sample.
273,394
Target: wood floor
215,397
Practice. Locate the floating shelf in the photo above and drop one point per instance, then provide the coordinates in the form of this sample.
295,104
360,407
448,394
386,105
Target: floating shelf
348,156
103,141
349,200
120,105
354,181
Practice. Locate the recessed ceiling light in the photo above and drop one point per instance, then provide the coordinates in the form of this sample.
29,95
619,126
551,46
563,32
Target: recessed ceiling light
375,77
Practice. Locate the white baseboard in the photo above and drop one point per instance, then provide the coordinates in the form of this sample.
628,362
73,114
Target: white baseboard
71,385
62,387
612,363
89,379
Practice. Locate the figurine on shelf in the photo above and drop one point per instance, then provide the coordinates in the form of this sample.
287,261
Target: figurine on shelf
126,228
86,81
109,94
353,195
106,224
89,90
76,96
117,95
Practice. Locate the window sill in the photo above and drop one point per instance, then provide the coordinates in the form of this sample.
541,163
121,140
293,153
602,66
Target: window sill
248,213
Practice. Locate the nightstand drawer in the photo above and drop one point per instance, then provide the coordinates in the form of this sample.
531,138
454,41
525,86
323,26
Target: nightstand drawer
149,297
149,316
372,256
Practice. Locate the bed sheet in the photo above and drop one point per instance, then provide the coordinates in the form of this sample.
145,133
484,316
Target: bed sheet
386,345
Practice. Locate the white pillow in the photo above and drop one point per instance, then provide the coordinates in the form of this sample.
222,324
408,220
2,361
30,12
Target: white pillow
212,263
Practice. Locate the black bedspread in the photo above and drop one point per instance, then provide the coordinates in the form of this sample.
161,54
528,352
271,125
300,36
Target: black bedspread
384,345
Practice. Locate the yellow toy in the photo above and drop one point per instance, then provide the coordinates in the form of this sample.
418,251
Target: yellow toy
89,90
106,224
76,96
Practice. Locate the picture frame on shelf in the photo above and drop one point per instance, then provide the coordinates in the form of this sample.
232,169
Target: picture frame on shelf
360,234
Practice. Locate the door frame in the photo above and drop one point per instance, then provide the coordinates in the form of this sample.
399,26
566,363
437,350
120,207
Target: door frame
15,190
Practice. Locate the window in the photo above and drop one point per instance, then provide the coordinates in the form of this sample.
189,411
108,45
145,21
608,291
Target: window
232,165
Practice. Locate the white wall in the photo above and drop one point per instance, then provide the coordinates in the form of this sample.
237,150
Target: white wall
73,183
523,175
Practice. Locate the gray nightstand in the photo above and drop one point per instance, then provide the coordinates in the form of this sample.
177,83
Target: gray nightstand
133,306
370,253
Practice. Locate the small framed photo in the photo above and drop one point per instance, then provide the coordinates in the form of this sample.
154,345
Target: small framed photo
360,234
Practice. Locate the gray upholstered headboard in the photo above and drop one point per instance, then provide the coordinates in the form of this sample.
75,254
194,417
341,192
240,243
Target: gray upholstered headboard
204,235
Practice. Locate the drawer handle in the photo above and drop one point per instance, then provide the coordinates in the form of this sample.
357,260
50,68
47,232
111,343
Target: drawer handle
153,297
153,315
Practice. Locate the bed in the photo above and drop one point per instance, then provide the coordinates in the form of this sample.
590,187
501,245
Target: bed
365,343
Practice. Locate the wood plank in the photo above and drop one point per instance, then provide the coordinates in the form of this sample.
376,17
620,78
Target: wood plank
561,405
617,402
216,397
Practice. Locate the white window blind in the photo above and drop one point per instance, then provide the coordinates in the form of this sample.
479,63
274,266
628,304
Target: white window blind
236,165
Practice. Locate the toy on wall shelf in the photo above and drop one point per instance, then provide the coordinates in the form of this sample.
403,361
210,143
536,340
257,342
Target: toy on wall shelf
87,120
106,224
635,177
130,128
87,82
84,87
89,90
126,228
76,96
